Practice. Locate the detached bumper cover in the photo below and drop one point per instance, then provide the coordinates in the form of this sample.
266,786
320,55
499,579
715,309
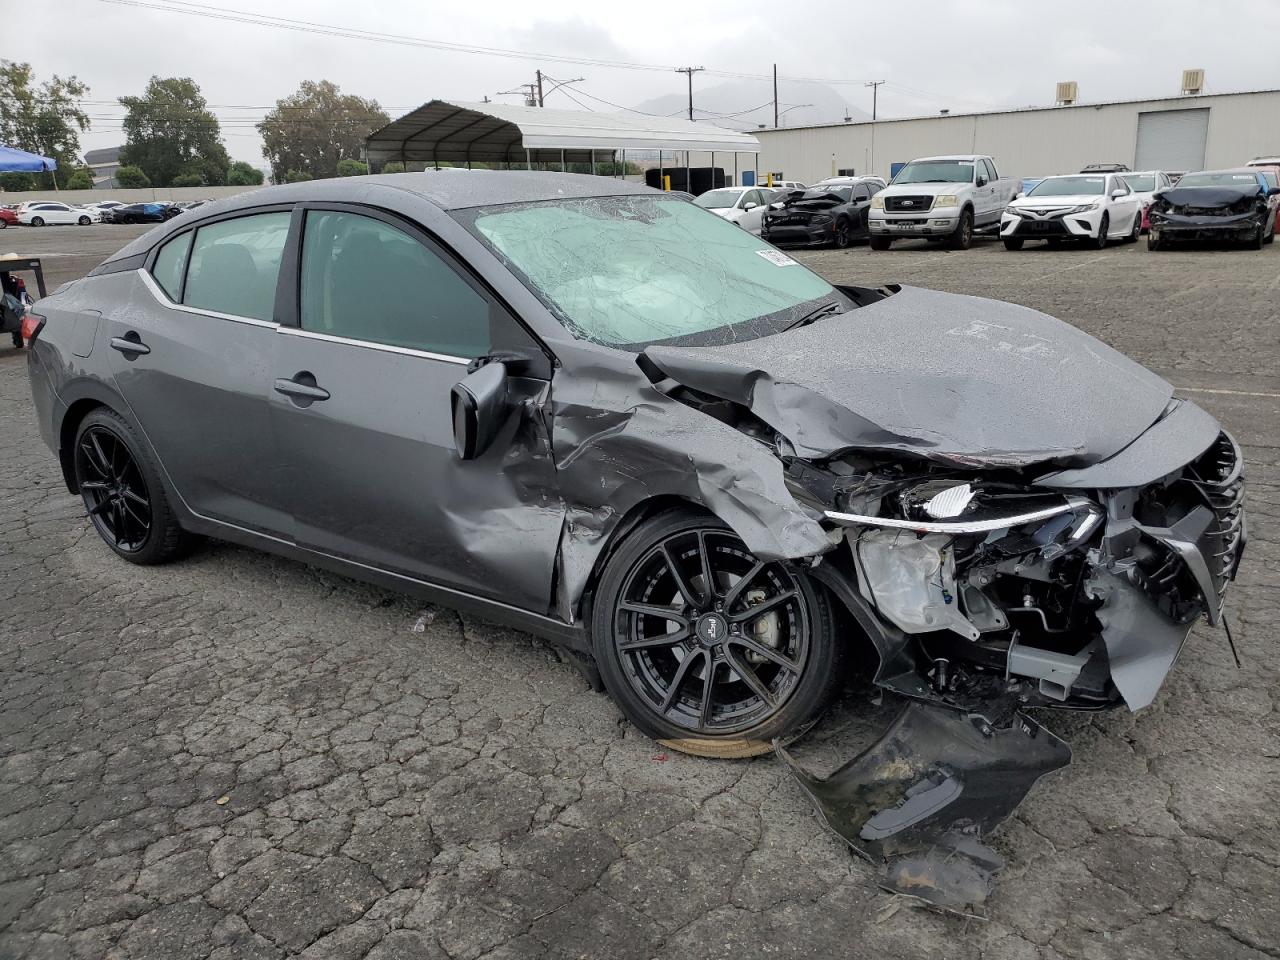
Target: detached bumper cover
921,799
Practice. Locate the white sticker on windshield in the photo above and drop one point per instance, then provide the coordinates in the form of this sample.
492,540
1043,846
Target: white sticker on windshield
777,258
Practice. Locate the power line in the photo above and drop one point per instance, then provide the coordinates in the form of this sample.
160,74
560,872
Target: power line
325,29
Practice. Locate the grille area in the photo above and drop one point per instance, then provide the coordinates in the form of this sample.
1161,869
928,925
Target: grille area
912,204
1219,476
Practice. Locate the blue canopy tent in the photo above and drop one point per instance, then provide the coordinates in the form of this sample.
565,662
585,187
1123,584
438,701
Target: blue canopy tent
19,161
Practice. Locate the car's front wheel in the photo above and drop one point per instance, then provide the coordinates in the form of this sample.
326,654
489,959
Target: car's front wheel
1104,227
880,243
707,648
1153,240
962,238
1013,243
120,485
84,221
844,234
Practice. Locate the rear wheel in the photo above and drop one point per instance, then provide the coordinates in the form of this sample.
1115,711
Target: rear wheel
880,243
1013,243
1136,232
707,648
120,485
37,221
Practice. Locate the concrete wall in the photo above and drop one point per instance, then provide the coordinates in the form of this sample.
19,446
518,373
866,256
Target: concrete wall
125,196
1026,143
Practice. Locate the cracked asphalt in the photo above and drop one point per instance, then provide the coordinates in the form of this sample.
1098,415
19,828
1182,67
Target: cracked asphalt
240,757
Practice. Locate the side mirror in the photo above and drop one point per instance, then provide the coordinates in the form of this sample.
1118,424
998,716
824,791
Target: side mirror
1019,195
750,206
479,405
981,181
1118,192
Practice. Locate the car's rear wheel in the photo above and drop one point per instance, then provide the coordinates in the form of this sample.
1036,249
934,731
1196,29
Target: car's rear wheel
1136,232
707,648
1013,243
120,485
1104,227
37,221
880,243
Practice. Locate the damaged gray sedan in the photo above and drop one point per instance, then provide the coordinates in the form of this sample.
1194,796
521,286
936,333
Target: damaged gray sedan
602,414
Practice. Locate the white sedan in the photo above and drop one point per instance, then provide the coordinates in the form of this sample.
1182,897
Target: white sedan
1095,207
37,213
1145,184
741,205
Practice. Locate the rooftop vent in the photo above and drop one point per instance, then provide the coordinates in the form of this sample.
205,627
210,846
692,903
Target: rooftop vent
1192,82
1068,93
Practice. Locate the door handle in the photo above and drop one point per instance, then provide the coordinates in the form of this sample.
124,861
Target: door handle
302,389
130,345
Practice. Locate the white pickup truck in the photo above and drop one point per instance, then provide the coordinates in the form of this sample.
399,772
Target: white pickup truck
941,198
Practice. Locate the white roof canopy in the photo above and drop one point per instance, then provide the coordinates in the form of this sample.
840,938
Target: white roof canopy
455,131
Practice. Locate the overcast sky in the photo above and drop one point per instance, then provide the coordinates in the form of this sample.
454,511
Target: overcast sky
959,55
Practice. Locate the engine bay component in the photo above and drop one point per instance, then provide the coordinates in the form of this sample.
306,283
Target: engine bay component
911,580
921,800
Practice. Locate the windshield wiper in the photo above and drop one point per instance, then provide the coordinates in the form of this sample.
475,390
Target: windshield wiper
813,315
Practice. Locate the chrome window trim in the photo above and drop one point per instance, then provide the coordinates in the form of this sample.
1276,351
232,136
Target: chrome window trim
157,291
368,344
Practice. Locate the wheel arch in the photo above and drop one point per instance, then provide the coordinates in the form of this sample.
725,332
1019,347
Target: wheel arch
82,397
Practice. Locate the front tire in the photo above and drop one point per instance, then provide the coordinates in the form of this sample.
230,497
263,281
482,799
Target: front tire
1104,227
1258,241
844,234
119,482
962,238
707,649
84,221
1013,243
1153,240
880,243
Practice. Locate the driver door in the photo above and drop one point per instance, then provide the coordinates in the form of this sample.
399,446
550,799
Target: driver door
386,324
751,219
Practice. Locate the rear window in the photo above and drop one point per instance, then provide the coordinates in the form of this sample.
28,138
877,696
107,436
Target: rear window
169,265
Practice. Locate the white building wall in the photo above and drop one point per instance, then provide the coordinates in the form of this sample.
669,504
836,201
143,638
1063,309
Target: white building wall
1027,143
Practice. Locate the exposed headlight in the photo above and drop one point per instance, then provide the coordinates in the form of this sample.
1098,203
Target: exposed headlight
946,200
1013,211
877,202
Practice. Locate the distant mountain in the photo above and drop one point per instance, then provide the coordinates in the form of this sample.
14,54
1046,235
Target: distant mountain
737,104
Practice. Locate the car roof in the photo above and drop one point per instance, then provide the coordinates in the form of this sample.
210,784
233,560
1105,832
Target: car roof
953,156
482,188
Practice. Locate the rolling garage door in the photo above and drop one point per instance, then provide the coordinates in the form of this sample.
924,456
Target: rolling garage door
1172,139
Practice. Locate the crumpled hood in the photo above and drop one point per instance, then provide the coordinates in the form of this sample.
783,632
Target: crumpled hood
953,378
1207,196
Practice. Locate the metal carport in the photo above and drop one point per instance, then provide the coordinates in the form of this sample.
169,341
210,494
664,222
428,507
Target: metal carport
447,131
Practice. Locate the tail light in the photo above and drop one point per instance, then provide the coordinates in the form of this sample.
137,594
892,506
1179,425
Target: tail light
32,324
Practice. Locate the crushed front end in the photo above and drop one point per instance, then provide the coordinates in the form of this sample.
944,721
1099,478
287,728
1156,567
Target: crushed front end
996,593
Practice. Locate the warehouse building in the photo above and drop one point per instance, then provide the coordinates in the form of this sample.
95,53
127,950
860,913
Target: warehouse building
1192,132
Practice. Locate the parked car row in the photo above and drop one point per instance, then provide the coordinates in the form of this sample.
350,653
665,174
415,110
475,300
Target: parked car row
42,213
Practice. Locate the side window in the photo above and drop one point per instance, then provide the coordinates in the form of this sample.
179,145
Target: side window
367,280
235,263
860,193
990,171
170,262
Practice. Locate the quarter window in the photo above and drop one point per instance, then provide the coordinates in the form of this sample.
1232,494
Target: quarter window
170,262
366,280
235,263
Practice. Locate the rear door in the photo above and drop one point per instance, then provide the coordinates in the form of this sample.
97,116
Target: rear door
387,322
191,356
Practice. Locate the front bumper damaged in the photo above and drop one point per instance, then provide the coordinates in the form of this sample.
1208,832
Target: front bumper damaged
920,800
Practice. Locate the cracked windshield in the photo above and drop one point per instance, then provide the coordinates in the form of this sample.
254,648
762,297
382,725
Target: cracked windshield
633,271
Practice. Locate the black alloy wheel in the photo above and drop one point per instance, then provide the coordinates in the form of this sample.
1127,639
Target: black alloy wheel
114,492
844,234
1104,227
119,483
962,239
707,648
1260,238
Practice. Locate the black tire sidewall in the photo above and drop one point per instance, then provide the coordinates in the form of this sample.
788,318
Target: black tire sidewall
818,684
1013,243
165,538
1104,225
962,239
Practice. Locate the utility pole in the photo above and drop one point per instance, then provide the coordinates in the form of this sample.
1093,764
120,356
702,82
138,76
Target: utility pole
541,103
689,72
875,89
775,96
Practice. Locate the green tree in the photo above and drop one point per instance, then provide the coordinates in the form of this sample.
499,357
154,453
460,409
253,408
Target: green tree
315,128
130,177
352,168
297,176
82,179
15,182
242,174
43,118
169,131
188,180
